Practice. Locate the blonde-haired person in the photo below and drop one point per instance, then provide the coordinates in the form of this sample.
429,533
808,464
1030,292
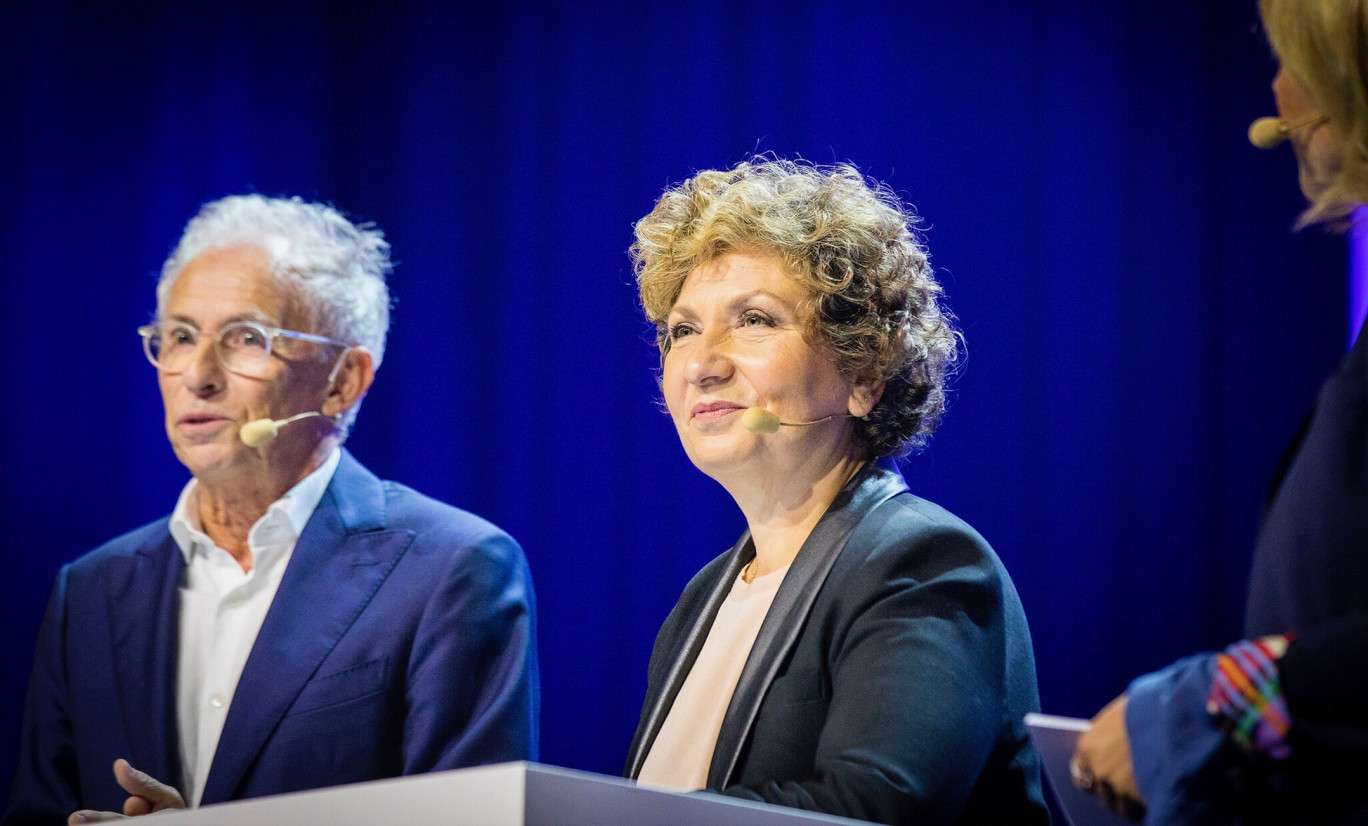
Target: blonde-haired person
859,651
1274,729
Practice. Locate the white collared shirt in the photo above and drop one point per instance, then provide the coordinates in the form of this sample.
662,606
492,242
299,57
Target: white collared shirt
221,611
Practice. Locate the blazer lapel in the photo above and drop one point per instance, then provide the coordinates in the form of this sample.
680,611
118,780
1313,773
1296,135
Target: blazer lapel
338,564
784,621
684,652
145,644
1348,378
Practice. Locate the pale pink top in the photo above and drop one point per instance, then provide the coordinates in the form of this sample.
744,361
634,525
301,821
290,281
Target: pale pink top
682,751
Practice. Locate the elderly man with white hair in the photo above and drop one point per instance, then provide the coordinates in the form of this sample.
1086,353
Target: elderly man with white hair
295,622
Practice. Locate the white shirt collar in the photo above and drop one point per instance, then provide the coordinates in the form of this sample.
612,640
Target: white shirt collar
291,511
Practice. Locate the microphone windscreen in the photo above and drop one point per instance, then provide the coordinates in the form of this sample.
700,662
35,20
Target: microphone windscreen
1266,133
258,432
760,420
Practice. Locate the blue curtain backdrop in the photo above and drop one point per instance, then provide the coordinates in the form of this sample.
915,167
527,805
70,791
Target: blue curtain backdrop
1144,331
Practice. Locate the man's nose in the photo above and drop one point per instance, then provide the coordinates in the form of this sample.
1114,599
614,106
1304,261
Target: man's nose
204,374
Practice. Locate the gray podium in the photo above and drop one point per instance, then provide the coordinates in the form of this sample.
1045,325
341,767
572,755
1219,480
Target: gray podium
510,794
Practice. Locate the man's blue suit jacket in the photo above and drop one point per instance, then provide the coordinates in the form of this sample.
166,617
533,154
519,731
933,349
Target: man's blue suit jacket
401,640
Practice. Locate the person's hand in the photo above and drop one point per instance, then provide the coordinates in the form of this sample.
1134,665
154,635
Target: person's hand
1101,763
145,795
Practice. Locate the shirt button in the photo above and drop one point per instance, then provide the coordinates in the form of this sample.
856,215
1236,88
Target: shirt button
216,701
236,600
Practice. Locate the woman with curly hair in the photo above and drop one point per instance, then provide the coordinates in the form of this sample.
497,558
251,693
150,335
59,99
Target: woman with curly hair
859,650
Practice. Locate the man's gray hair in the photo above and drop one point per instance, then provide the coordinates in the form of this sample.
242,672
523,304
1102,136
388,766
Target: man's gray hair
334,268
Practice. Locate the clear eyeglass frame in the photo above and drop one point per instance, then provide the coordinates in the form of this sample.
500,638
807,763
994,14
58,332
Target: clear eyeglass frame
233,345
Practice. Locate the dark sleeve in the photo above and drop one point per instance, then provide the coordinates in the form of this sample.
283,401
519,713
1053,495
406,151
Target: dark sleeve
918,686
45,788
1183,760
1185,764
473,690
1325,679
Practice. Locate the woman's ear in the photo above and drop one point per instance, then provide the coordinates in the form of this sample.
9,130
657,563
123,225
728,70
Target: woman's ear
351,379
863,397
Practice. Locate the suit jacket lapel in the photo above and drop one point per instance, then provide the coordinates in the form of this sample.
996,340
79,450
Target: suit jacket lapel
1348,378
683,653
339,562
787,614
143,590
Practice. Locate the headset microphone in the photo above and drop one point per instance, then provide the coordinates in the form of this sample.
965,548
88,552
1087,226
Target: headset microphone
1266,133
260,431
760,420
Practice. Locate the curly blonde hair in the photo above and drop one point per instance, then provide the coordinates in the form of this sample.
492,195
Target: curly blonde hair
875,302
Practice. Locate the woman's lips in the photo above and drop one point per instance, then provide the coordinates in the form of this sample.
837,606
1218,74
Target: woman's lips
715,411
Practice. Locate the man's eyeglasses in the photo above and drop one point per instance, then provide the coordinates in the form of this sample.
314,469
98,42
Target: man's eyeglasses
242,347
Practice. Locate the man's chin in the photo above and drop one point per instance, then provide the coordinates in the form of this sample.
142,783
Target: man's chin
211,462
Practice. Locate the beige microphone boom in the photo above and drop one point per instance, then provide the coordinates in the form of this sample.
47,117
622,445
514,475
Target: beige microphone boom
260,431
760,420
1269,132
1266,133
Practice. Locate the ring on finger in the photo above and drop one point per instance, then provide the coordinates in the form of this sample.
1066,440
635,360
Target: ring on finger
1082,777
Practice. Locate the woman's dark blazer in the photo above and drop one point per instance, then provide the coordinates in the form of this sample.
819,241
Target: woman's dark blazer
888,681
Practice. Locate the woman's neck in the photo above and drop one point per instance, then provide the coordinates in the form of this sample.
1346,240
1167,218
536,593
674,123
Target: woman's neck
782,511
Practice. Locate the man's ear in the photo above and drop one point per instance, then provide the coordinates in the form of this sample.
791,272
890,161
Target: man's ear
351,379
863,397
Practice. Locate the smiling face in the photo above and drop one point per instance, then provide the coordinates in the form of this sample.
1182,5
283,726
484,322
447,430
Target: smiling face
737,340
206,404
